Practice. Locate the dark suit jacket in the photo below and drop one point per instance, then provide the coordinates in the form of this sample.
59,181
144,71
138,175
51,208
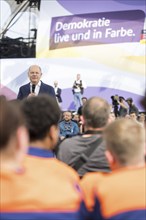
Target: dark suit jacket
24,90
58,95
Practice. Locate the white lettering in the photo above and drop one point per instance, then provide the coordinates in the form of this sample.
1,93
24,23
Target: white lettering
118,33
82,24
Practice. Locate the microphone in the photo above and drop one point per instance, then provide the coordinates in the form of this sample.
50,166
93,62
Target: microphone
33,88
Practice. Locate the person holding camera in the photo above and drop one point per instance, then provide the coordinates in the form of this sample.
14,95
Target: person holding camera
123,109
120,107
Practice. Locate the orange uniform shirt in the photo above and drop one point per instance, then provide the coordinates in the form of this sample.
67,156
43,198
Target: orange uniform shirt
118,195
45,189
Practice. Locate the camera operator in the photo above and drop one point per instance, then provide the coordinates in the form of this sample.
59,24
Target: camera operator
115,104
123,107
120,107
132,107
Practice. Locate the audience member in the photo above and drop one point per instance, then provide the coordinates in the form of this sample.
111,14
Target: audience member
80,109
32,187
123,107
112,117
132,107
78,90
67,127
35,86
105,194
42,116
84,99
143,103
142,119
86,153
76,118
57,93
133,116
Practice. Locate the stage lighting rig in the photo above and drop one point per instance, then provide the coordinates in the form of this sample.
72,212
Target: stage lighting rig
32,3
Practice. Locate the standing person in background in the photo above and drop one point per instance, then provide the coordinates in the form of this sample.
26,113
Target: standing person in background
57,93
105,194
35,86
132,107
78,90
123,107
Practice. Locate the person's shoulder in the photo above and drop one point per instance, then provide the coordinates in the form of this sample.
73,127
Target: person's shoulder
25,85
92,177
69,142
74,123
61,122
46,85
52,165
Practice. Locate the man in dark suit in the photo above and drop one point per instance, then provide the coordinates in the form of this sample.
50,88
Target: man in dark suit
35,86
57,93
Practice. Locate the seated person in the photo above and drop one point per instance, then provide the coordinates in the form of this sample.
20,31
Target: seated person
67,127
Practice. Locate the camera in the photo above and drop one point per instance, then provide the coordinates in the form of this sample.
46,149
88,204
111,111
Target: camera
115,99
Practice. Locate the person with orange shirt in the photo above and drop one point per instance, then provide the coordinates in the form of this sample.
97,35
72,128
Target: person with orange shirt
33,187
121,193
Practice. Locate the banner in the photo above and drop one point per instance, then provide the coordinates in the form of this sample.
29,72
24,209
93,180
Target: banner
96,29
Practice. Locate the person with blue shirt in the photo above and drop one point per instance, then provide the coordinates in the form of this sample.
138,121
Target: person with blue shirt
67,127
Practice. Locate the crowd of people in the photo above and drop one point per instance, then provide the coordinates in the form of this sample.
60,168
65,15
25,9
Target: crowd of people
60,166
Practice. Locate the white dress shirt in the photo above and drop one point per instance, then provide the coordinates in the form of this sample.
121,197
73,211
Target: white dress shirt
37,88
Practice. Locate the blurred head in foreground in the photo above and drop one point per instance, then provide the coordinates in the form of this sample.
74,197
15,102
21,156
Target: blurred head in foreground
13,134
125,142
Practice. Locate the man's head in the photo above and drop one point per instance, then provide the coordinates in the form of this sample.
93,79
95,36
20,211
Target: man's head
78,76
42,116
13,133
34,74
96,113
112,117
55,83
67,115
125,142
84,99
133,116
121,99
129,101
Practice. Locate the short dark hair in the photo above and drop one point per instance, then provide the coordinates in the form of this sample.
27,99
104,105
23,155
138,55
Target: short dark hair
41,113
96,112
11,118
130,100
